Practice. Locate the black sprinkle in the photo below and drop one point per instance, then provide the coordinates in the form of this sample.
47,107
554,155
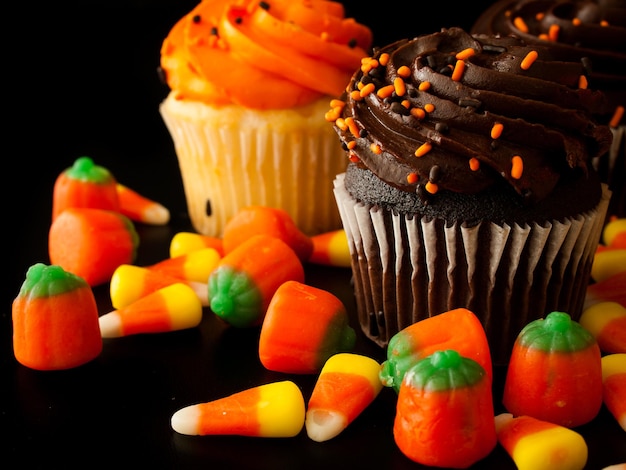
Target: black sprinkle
435,173
422,193
445,71
196,19
208,210
344,146
586,61
494,49
450,60
365,79
376,72
442,127
494,145
264,5
214,31
363,133
238,20
352,43
398,108
412,92
431,61
162,75
470,102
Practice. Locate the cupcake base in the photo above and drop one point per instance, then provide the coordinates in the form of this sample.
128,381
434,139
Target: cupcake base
231,157
406,269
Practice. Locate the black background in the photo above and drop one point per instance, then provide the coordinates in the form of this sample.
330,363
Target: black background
80,79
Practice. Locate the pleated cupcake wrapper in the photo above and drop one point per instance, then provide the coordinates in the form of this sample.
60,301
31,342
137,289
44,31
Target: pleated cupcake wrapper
231,166
408,269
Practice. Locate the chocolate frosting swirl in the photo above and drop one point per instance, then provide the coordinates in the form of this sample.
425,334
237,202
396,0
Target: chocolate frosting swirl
546,130
591,31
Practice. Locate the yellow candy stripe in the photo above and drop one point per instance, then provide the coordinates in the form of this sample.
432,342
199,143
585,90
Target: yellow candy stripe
554,448
608,263
126,285
280,410
596,317
183,306
613,364
200,264
349,363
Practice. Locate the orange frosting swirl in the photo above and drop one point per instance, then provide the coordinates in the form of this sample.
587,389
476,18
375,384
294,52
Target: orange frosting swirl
263,54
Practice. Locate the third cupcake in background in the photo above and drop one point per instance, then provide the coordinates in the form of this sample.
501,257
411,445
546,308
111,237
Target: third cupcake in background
592,32
250,82
469,183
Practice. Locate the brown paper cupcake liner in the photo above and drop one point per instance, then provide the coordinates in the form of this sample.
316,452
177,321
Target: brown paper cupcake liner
406,269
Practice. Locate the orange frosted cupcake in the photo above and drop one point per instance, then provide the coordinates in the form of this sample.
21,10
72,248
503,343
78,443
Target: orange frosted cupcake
250,84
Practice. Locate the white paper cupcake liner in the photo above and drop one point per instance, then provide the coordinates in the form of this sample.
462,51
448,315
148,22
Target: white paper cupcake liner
406,269
231,158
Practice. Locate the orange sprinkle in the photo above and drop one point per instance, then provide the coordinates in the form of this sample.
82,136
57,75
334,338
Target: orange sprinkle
367,89
385,91
539,16
543,37
412,178
353,158
376,148
429,107
341,123
336,102
354,130
604,23
474,163
384,59
465,54
457,73
553,32
423,86
399,86
529,59
496,130
617,116
404,71
356,95
418,113
368,64
517,167
519,24
582,82
406,103
577,22
432,188
423,149
351,144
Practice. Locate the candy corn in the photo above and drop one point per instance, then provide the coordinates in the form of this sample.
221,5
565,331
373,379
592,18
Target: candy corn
271,410
458,329
606,321
256,220
194,266
534,444
129,283
183,243
331,249
55,320
84,185
347,384
302,328
175,307
607,263
243,283
614,386
444,412
92,243
614,233
141,209
611,289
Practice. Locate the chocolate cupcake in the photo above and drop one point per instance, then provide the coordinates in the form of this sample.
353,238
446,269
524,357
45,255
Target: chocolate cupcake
470,183
592,32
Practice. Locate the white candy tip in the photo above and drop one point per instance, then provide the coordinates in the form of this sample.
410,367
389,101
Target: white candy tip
110,325
185,420
322,425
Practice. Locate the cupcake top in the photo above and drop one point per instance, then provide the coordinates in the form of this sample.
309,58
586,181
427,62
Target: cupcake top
270,54
454,113
591,31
